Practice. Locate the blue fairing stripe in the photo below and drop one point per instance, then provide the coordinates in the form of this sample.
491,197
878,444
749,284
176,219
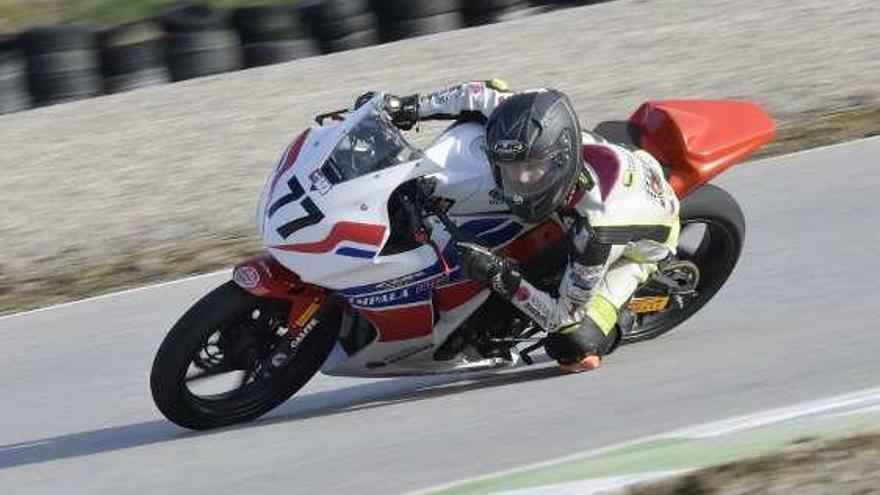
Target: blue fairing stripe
355,253
477,227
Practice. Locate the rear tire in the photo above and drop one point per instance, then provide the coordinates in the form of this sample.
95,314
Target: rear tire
224,309
716,256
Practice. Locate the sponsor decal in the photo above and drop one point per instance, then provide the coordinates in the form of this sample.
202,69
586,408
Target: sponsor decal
382,299
400,281
508,149
446,94
522,293
536,308
475,89
654,185
320,182
296,341
246,277
430,284
640,305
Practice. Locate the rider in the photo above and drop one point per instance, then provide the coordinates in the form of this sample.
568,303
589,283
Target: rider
620,214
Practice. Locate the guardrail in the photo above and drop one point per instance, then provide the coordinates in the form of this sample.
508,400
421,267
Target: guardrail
47,65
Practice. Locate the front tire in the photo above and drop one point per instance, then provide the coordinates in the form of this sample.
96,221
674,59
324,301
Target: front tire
214,334
717,250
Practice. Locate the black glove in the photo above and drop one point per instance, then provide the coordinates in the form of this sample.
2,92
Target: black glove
480,264
404,111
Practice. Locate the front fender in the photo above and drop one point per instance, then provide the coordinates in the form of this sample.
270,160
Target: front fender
263,276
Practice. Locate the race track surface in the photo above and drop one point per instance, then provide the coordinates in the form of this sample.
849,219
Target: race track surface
796,322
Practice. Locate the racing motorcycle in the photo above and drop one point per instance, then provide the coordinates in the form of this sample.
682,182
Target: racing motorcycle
360,275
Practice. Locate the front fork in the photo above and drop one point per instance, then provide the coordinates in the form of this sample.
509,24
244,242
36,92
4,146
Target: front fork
263,276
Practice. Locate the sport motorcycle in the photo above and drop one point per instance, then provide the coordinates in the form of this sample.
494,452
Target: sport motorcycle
360,273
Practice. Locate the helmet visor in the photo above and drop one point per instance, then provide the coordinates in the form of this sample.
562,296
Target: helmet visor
527,177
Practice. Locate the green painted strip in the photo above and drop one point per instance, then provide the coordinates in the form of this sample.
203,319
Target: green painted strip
668,454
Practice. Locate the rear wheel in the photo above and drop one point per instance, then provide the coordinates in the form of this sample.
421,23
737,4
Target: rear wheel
712,235
219,364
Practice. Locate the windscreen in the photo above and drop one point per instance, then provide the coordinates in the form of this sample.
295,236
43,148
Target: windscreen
374,143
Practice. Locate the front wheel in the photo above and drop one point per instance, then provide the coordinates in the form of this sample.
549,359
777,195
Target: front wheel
217,367
712,234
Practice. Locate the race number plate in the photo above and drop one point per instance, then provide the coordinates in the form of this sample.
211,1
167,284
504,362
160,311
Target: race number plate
641,305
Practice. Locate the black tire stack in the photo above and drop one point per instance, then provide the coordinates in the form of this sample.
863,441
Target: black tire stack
479,12
401,19
63,63
272,34
133,56
199,42
340,25
13,78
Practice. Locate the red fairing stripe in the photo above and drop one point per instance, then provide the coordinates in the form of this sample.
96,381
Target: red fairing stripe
288,160
453,296
363,233
401,323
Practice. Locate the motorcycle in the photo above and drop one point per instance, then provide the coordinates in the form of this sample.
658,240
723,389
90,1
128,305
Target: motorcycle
360,274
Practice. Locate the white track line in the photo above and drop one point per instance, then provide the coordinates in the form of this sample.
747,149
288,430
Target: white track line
829,405
593,486
111,295
860,400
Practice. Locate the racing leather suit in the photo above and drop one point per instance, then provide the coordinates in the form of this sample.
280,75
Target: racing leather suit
621,219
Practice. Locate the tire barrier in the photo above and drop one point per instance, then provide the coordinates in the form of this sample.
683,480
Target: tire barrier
272,34
479,12
63,63
14,95
55,64
133,56
199,42
340,25
401,19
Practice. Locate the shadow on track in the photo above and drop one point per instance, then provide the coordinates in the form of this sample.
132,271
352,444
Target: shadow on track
380,393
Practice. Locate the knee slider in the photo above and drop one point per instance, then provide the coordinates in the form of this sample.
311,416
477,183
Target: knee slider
570,345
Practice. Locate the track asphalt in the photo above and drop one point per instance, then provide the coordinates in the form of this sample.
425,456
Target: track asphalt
796,322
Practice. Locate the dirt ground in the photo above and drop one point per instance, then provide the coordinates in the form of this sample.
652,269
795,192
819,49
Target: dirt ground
848,466
170,261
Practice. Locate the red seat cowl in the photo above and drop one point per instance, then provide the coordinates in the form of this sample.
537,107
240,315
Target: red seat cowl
699,139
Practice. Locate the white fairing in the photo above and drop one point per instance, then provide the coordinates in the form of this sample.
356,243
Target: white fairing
466,175
340,247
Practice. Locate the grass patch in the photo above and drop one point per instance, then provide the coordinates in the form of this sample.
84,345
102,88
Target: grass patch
83,278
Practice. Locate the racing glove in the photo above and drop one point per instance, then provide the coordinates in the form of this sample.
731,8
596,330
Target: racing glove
502,276
480,264
404,111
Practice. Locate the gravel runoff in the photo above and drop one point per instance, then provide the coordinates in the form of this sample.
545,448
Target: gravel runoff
184,163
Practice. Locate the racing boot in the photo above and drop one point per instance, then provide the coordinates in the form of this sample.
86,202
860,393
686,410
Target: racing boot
580,346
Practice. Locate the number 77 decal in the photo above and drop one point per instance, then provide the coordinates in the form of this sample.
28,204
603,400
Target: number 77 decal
313,213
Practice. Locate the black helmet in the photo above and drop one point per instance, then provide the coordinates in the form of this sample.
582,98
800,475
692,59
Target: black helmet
533,144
